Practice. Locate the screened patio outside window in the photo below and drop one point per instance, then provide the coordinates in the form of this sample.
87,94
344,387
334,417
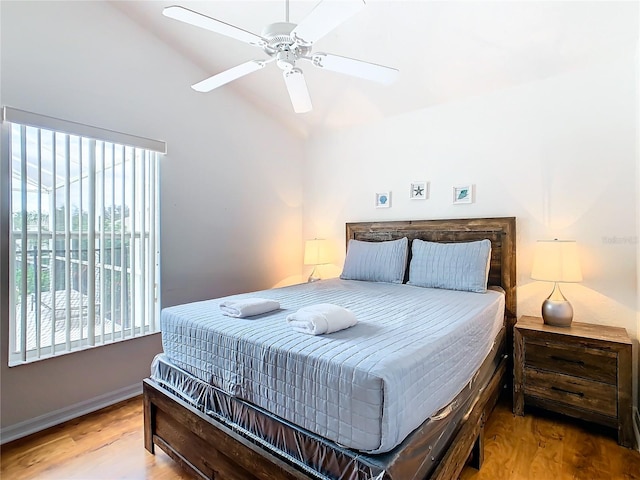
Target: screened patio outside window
84,246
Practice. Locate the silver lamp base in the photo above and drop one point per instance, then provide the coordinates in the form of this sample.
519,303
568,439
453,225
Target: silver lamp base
313,277
556,310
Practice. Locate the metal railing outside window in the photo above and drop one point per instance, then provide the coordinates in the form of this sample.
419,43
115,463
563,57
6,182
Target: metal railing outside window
84,246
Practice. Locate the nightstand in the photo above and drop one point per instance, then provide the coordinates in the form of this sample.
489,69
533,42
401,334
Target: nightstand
583,371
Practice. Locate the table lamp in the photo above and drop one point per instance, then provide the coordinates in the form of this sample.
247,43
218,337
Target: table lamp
556,261
316,252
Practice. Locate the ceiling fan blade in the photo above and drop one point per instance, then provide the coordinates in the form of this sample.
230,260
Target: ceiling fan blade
227,76
325,16
298,91
199,20
355,68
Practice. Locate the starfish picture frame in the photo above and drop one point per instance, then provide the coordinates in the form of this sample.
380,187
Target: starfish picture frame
419,190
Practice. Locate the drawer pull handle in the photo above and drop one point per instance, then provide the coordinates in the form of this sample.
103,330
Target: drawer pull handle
568,360
557,389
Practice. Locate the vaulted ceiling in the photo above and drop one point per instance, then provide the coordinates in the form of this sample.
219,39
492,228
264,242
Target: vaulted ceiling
445,50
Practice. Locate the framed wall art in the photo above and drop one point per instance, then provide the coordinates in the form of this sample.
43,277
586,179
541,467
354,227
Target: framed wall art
419,191
462,194
383,200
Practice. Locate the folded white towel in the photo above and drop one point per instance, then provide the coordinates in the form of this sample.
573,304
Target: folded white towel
247,307
321,318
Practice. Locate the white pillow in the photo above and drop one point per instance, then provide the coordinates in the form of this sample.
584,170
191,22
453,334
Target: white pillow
454,266
376,261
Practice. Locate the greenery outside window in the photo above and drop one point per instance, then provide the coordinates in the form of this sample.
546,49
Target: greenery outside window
83,240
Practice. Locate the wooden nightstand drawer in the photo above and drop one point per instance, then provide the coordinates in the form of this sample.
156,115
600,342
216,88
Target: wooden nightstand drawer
588,363
578,392
583,371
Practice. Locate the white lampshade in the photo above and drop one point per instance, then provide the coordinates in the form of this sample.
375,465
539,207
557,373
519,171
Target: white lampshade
556,261
316,252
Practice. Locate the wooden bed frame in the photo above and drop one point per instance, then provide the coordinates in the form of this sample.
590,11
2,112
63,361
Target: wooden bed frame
209,449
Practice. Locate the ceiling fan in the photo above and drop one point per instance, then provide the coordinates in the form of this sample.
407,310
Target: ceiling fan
286,43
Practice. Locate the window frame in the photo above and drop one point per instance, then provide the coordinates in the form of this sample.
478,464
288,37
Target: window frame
137,152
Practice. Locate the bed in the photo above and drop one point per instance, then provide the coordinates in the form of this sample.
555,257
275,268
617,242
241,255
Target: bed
342,405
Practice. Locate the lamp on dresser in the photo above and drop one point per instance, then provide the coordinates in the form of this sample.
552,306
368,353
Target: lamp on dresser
556,261
316,252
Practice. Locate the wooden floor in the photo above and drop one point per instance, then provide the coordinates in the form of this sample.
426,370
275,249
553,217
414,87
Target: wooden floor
109,445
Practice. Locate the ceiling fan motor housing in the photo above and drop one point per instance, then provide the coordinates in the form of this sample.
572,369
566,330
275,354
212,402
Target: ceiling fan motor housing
282,45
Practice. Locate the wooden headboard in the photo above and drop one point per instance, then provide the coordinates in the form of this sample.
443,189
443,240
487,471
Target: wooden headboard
501,232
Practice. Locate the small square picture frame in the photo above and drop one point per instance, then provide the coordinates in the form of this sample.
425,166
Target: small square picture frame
419,190
383,199
463,194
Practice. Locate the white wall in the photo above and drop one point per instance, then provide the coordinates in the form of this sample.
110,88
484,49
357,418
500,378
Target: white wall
230,184
559,154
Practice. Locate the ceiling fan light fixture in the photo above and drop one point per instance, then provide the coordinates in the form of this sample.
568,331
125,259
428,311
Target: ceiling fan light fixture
286,60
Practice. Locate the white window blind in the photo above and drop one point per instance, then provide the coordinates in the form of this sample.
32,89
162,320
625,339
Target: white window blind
84,246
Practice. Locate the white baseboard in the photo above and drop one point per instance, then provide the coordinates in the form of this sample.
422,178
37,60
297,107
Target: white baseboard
33,425
636,427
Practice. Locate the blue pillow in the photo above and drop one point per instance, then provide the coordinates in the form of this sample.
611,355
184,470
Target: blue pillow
376,261
454,266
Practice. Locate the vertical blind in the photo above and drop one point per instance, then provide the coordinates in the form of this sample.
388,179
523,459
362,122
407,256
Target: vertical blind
84,246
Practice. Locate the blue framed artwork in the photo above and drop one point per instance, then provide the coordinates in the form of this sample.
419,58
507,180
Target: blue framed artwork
463,194
383,200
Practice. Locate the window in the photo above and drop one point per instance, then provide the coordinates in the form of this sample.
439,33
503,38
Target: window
84,246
